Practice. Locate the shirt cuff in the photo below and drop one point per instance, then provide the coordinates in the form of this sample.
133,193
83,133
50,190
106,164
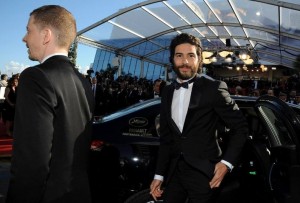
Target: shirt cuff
158,177
229,165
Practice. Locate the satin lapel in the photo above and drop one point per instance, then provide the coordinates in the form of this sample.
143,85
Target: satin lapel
169,106
196,96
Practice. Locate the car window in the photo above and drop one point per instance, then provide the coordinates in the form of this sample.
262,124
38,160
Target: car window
279,134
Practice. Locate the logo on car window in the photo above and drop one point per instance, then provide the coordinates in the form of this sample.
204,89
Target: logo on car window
138,122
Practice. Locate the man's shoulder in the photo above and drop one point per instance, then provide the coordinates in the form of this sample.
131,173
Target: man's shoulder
207,79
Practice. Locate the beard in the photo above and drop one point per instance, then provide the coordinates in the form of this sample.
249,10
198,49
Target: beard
185,75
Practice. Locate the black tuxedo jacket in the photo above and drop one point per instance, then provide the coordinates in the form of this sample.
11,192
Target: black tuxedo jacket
210,101
51,135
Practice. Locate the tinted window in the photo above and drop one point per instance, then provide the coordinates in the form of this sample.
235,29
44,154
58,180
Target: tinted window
280,135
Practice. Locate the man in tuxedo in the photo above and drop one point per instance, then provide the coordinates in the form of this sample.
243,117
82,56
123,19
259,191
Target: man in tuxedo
53,120
156,88
190,162
98,93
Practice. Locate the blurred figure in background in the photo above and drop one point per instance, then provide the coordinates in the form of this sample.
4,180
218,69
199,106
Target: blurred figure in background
99,97
283,96
3,81
156,88
9,105
270,92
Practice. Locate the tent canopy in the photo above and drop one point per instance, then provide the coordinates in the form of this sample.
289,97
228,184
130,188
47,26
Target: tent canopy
268,29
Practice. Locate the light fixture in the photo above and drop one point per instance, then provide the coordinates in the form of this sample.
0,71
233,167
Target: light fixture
206,61
207,54
228,58
214,59
225,53
209,57
263,68
237,54
248,61
243,55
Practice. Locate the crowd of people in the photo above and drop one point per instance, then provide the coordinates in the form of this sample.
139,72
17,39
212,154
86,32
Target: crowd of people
114,94
287,90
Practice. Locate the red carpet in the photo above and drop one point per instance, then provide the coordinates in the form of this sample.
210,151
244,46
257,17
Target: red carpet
5,142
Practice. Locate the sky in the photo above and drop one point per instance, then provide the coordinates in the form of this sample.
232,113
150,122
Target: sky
14,15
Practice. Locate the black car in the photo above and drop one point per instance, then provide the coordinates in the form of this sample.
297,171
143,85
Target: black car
125,143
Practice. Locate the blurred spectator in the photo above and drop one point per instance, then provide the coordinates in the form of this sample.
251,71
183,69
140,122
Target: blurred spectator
3,81
156,88
292,97
133,94
9,105
283,96
270,92
142,94
238,91
99,97
256,93
122,95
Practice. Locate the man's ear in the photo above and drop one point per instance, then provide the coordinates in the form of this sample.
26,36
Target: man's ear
47,36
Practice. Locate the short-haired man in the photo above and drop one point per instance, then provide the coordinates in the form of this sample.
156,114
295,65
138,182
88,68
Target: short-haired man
53,119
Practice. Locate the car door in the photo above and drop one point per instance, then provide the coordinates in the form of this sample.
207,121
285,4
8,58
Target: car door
283,128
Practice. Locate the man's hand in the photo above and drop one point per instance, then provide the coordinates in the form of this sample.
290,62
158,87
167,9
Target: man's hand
155,190
220,172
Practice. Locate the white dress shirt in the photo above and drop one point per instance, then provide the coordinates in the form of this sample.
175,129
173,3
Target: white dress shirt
180,104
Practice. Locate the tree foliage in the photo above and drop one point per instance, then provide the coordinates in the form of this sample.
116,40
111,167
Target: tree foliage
73,52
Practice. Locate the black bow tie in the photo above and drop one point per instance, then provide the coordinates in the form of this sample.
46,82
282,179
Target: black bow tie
177,85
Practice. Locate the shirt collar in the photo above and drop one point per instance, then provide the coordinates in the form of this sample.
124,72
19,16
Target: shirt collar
55,54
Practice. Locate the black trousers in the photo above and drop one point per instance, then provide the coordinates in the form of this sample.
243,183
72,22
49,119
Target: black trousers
189,183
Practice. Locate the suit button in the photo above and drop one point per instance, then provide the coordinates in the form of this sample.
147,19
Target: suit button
183,137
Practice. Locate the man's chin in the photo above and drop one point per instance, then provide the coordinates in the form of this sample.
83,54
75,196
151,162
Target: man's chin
32,58
185,76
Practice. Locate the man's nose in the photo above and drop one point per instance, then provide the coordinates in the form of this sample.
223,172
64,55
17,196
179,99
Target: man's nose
185,61
24,39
